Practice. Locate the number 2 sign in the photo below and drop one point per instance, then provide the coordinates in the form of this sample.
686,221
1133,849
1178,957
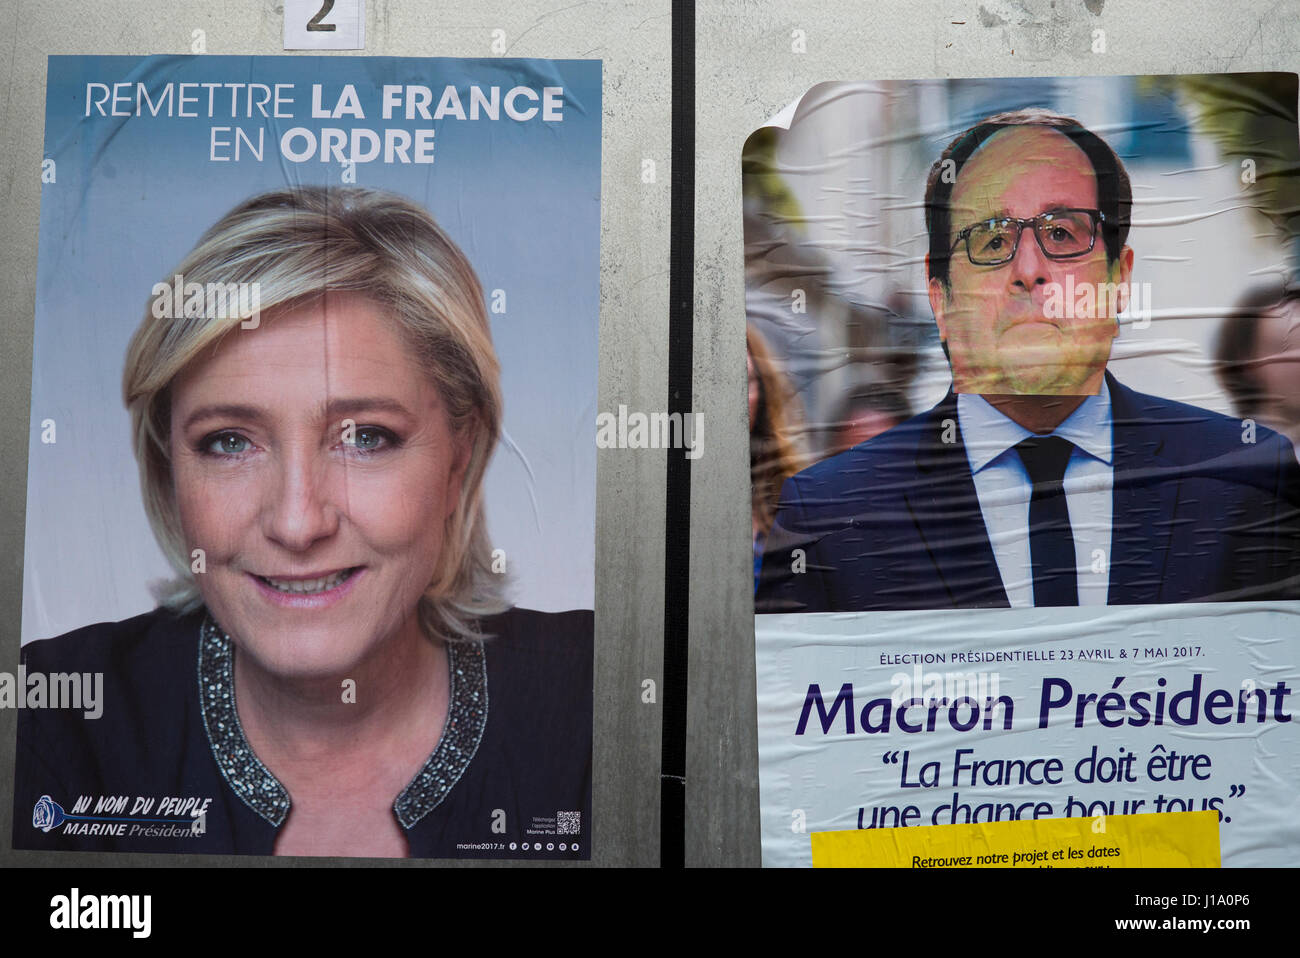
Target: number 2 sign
324,24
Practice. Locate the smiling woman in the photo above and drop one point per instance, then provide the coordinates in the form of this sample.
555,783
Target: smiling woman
334,666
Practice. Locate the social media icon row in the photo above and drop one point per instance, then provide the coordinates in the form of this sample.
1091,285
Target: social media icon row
537,846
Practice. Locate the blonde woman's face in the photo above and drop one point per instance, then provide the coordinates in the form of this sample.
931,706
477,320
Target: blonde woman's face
315,466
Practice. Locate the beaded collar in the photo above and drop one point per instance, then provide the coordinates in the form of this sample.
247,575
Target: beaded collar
262,792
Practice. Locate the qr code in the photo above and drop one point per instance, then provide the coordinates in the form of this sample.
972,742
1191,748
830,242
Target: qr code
568,823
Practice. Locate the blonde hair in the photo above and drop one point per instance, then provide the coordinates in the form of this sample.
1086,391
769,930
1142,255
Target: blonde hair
296,245
774,455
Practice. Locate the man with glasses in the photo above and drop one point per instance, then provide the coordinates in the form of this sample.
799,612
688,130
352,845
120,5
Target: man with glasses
1039,480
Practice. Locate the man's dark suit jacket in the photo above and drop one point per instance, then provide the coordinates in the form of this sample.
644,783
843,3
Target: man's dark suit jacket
1199,515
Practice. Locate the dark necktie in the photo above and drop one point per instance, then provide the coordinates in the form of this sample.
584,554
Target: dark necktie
1051,540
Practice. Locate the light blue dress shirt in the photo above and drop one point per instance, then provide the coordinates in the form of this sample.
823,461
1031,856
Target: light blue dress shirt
1004,491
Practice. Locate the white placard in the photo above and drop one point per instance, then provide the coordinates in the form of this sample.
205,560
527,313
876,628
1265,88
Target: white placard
1114,698
324,24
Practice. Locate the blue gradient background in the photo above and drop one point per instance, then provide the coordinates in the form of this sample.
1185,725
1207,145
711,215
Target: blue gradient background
133,195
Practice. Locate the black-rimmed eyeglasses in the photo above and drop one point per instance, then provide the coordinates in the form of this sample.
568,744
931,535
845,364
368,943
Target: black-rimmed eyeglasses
1062,234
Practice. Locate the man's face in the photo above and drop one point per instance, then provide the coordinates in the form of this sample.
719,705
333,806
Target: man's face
1012,329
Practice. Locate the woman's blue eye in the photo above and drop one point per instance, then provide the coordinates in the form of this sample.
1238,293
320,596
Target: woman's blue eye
372,439
227,444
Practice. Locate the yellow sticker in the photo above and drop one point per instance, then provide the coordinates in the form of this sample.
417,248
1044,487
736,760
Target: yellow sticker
1169,840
